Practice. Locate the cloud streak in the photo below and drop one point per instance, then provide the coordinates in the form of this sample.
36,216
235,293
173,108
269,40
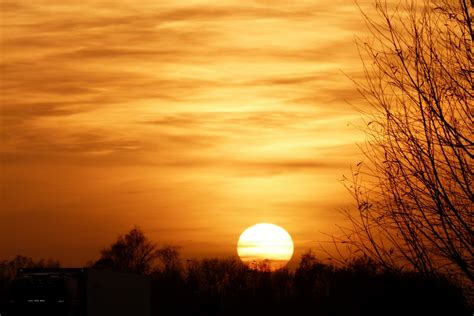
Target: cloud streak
209,111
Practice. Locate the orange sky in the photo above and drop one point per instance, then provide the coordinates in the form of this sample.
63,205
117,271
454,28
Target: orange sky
191,119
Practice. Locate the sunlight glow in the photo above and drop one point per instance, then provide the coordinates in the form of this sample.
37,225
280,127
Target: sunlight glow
265,246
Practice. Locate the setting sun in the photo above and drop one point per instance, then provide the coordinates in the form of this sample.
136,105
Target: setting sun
188,129
265,246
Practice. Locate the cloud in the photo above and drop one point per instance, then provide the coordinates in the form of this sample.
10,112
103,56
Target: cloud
209,111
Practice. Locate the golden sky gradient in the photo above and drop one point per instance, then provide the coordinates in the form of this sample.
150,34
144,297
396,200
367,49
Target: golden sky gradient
190,119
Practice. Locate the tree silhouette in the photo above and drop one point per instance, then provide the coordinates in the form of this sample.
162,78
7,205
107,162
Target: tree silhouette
170,258
212,286
132,253
414,193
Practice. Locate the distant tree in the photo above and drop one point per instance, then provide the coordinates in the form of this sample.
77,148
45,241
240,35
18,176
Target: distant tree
132,252
262,265
414,193
170,258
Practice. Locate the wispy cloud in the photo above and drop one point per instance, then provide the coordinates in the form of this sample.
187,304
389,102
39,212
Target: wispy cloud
205,110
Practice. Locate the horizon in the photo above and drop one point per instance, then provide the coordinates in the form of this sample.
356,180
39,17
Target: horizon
242,157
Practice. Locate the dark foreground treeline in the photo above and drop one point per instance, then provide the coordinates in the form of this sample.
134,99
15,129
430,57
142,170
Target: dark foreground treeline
227,287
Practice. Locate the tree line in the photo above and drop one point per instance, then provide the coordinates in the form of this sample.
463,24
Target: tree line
216,286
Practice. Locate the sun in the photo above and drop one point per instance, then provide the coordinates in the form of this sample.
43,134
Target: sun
265,246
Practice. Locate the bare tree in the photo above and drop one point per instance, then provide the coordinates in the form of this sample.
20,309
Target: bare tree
169,257
414,191
132,252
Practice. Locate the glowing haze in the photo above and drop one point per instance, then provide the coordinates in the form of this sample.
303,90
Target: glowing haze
190,119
